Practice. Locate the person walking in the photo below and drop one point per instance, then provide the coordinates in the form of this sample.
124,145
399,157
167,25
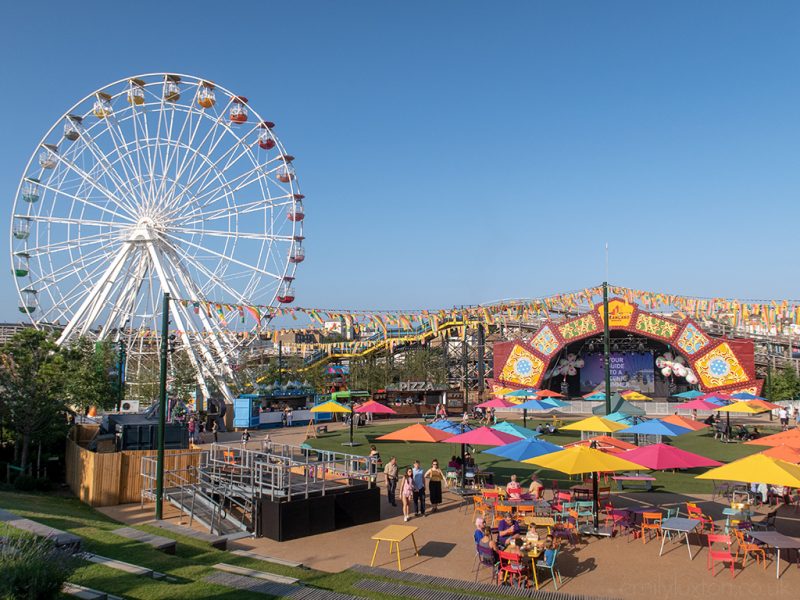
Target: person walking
289,416
245,439
435,478
390,473
407,493
419,489
214,430
192,427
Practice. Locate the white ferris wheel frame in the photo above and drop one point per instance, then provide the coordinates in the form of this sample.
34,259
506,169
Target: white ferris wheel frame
138,204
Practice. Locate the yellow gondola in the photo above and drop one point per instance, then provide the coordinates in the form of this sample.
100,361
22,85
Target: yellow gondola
172,91
136,92
205,95
102,105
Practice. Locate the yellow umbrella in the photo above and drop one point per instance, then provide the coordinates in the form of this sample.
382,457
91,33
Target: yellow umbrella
743,406
757,468
634,395
331,406
577,460
595,424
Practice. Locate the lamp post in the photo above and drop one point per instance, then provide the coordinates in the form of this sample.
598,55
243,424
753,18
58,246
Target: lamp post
162,407
606,348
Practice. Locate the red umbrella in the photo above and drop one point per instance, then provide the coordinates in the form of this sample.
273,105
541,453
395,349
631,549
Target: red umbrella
370,406
699,404
483,436
417,433
496,403
662,456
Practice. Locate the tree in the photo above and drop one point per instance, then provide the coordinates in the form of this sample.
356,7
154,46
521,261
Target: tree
783,385
183,374
32,374
90,374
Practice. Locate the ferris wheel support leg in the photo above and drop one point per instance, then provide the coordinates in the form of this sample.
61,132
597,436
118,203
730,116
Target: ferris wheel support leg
127,299
169,285
221,352
96,297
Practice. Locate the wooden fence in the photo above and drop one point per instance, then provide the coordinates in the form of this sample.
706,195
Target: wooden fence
111,478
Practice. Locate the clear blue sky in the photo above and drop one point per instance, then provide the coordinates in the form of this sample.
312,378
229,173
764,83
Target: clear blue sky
460,152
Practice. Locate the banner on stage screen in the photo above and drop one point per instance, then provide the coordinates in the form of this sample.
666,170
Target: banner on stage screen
629,371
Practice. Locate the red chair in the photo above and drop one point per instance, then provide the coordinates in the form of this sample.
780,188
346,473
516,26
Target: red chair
512,567
694,512
716,555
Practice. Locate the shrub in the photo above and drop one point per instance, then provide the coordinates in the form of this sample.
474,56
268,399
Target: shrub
28,483
33,569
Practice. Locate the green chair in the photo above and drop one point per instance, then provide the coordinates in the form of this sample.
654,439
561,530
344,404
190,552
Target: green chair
555,574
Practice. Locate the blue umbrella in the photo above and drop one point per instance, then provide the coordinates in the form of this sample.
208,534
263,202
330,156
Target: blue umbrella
747,396
595,396
535,405
620,417
524,449
656,427
555,402
450,427
526,393
689,395
514,429
717,400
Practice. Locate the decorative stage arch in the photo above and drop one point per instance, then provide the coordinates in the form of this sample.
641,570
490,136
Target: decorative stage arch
720,365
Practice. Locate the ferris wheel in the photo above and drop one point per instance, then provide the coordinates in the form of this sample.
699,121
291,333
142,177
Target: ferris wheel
158,183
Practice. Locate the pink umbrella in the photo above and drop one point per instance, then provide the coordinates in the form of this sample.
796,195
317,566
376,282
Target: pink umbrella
661,456
496,403
370,406
698,404
482,436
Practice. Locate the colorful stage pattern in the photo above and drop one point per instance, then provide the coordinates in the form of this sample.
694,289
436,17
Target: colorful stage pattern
717,363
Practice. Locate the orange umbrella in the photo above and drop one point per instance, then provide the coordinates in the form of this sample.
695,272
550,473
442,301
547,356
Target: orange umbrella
549,394
764,404
787,453
605,443
416,433
684,422
790,437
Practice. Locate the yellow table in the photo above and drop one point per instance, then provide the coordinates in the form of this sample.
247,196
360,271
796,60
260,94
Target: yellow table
548,522
394,534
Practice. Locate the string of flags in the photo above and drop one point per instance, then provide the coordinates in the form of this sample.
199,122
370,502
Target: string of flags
763,313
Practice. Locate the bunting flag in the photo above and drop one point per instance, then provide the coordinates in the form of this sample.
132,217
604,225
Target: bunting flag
770,314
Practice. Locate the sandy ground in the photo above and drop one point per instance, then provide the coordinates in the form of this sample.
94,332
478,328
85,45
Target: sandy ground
619,567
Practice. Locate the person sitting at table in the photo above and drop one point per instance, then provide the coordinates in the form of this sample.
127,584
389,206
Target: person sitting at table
487,541
506,530
515,546
536,486
478,535
514,489
469,462
549,551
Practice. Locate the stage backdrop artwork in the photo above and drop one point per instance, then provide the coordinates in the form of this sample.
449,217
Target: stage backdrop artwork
717,365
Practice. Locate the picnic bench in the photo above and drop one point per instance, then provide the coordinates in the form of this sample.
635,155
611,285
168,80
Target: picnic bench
220,542
270,559
646,481
158,542
236,570
61,539
119,565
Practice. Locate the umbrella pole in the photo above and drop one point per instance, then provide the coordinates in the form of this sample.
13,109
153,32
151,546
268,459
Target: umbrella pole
463,465
596,502
524,417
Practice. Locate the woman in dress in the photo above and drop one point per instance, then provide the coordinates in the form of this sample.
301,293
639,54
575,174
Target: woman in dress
436,478
407,493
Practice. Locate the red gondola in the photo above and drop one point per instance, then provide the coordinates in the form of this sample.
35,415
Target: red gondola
286,291
238,112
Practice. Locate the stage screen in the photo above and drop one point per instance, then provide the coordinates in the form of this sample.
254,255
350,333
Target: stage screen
629,371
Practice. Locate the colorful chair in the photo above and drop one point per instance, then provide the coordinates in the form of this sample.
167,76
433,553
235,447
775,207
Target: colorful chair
485,558
651,521
716,555
513,568
746,548
552,566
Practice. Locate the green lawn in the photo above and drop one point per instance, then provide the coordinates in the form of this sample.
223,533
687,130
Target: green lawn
406,452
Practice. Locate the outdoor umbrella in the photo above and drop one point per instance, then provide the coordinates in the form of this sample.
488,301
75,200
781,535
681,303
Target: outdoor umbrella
604,443
595,396
578,460
514,429
450,427
698,404
740,406
746,396
656,427
757,468
619,417
786,453
536,406
548,394
684,422
764,404
524,449
332,406
483,436
661,456
526,393
370,406
415,433
790,437
497,403
619,404
718,399
634,395
598,424
555,402
689,395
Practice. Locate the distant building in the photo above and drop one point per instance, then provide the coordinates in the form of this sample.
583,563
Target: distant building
298,336
9,330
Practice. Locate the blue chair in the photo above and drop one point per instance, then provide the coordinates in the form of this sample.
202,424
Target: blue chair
552,566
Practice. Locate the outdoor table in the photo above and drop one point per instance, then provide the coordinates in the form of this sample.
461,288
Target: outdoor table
581,490
645,479
678,525
548,522
394,534
733,512
779,542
